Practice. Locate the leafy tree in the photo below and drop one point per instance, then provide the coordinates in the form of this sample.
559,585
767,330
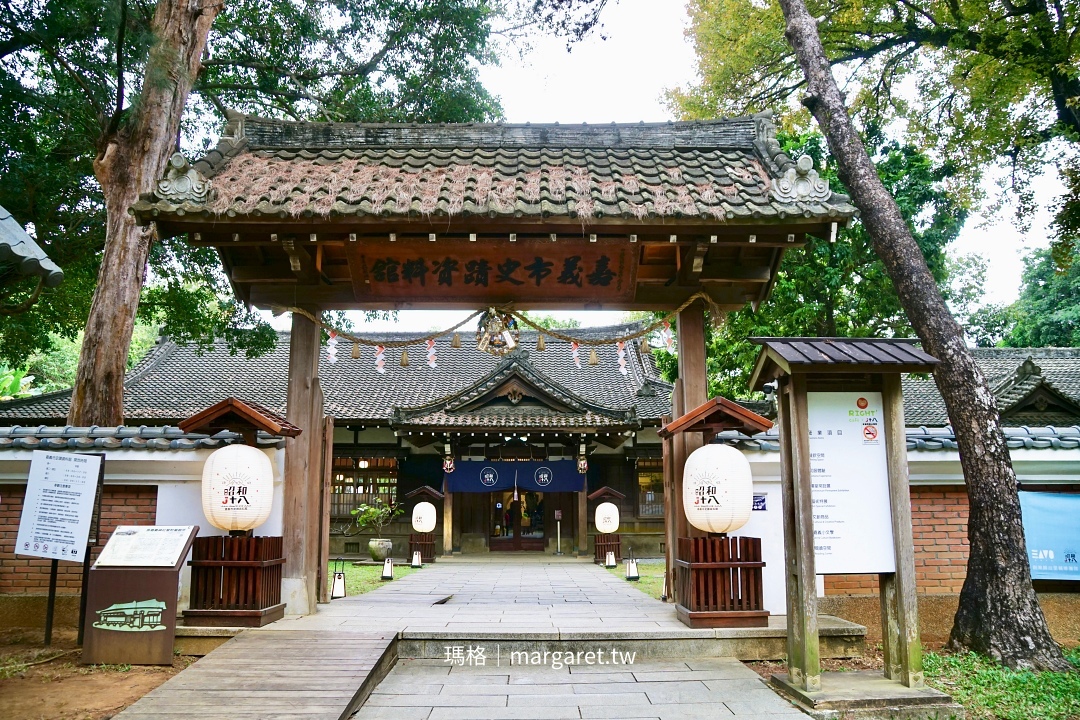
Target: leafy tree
984,324
553,323
1047,314
994,82
104,87
837,288
998,612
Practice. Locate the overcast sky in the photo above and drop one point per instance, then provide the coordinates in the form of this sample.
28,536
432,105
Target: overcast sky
623,78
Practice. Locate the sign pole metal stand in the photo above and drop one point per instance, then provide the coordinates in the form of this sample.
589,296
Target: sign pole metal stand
558,537
52,602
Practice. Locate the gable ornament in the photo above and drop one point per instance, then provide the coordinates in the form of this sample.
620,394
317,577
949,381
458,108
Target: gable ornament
182,182
801,184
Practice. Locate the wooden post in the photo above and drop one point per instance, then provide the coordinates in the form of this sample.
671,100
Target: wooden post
324,509
301,486
669,513
804,664
582,539
694,379
447,520
678,460
903,613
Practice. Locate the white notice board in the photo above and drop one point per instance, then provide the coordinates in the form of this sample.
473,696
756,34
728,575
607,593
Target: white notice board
145,546
59,505
849,486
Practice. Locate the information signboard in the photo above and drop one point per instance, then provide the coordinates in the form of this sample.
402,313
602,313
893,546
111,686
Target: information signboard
849,485
59,505
1052,534
145,546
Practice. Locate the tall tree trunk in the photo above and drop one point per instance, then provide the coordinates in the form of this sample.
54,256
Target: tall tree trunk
999,614
131,158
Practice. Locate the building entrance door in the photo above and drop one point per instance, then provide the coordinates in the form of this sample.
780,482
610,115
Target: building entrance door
516,524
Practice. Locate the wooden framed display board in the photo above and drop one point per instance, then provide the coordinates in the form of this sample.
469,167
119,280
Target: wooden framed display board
131,602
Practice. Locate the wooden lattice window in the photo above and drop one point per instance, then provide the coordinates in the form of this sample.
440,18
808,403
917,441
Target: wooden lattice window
650,477
359,481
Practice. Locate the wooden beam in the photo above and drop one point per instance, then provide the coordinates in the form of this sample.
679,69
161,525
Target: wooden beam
300,262
718,412
692,263
742,273
678,460
670,513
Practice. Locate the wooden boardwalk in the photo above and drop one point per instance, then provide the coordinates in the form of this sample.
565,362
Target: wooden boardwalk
274,675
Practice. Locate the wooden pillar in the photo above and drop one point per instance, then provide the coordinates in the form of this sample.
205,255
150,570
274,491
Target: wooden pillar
694,379
678,460
669,514
447,520
302,487
804,664
582,539
900,615
324,509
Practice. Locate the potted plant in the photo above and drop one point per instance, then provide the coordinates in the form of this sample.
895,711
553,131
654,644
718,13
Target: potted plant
376,516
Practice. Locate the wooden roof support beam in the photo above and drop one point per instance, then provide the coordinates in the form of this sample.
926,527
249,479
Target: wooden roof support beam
300,262
693,262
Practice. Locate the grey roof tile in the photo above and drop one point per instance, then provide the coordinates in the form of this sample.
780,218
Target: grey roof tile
20,255
719,170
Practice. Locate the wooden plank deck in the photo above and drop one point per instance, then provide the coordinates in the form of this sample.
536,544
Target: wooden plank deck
272,675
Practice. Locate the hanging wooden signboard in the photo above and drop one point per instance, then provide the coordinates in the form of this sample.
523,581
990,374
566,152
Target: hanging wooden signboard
532,270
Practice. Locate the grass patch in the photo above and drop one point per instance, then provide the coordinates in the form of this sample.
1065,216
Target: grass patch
989,691
360,579
652,577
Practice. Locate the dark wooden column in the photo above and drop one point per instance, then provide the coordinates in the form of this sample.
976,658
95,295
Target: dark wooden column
302,486
325,483
676,517
669,513
694,381
582,539
447,520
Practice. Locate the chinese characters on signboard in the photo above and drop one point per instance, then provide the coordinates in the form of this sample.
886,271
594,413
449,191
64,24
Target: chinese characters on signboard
527,269
59,505
849,485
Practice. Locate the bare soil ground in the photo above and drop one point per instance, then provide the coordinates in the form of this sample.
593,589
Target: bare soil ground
48,683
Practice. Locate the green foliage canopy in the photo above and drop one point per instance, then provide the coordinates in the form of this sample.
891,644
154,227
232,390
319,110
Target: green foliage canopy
994,81
1047,314
70,75
841,288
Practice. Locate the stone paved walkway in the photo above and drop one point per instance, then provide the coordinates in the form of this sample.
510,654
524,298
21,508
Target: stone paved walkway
712,689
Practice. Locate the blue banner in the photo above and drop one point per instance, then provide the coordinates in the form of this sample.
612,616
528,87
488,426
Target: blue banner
1052,533
550,476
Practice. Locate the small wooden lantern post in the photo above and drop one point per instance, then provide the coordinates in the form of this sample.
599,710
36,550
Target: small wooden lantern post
715,581
236,580
828,373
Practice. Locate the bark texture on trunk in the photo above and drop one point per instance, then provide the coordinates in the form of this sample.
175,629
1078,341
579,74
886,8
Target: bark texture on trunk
999,614
131,158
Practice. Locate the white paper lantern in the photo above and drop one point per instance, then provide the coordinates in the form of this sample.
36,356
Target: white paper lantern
718,490
423,517
607,518
237,487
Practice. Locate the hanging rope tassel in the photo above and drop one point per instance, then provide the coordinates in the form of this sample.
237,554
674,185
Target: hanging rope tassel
594,359
622,356
431,353
456,342
540,345
574,354
404,358
356,350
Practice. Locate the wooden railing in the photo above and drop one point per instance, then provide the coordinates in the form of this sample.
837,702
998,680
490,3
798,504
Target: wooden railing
608,543
425,543
235,578
718,582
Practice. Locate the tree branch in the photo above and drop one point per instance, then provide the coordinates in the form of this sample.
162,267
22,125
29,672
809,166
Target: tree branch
114,121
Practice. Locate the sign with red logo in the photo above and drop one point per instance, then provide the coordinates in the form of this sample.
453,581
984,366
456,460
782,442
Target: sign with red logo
849,484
